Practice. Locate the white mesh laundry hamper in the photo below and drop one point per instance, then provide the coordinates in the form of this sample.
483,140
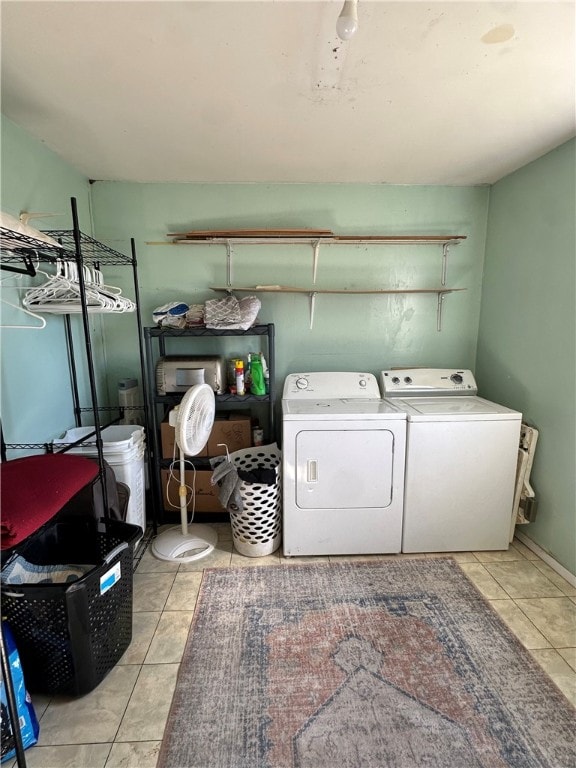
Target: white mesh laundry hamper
257,528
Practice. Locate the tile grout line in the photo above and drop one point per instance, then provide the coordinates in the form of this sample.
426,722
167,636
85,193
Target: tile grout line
475,560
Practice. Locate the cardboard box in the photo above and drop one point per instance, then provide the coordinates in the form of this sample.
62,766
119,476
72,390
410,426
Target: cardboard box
167,439
234,430
206,494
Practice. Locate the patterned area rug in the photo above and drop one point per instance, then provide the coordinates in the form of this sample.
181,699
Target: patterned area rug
395,664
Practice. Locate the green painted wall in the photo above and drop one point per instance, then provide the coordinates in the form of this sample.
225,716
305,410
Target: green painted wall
350,333
526,287
35,385
526,344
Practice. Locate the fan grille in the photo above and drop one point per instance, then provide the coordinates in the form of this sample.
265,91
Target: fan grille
195,419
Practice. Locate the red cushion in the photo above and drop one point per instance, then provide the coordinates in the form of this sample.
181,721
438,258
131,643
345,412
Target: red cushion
35,488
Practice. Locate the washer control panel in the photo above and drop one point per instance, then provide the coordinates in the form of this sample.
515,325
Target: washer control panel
404,382
327,385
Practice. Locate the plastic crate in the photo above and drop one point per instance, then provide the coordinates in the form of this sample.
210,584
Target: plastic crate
71,635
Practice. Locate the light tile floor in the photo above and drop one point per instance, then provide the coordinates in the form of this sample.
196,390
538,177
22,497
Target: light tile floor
121,722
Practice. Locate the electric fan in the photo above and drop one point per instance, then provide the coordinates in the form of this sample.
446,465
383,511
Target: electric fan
193,420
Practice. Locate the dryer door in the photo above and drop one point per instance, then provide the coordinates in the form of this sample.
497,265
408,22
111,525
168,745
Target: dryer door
344,468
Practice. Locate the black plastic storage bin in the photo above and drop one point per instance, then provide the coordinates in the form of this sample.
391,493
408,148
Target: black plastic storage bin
70,635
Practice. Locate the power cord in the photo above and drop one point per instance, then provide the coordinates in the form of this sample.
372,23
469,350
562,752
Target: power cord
191,490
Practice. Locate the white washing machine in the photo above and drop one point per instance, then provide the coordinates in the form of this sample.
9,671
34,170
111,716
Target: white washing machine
343,453
461,453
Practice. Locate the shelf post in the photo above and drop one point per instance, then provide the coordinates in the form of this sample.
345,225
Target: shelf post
316,245
312,304
445,250
441,296
229,254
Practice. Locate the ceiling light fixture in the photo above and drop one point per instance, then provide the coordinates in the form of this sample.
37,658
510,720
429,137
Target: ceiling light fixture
347,23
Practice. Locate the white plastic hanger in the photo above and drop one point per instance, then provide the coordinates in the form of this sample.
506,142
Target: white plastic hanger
20,308
60,294
26,312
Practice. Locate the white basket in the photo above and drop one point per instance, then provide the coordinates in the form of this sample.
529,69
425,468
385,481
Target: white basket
115,440
131,473
123,449
257,529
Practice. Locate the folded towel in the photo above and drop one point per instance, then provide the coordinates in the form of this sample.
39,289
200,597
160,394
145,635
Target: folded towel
222,312
230,312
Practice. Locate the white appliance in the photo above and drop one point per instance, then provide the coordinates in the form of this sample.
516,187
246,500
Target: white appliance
461,453
177,373
343,456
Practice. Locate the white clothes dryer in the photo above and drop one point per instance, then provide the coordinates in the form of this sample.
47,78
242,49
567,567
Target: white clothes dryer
343,454
461,454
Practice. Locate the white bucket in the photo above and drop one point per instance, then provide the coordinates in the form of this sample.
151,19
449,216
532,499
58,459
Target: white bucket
131,473
123,448
115,439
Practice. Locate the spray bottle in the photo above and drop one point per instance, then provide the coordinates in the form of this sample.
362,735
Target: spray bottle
240,390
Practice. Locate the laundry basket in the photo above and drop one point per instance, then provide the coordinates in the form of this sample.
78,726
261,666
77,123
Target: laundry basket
71,634
256,529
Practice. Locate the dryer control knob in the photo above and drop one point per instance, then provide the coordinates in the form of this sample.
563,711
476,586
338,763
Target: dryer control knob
407,380
301,383
362,383
395,380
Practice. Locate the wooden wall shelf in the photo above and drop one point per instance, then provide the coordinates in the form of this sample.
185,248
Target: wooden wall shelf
315,238
312,292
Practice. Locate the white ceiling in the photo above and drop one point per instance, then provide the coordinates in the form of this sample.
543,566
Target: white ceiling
264,91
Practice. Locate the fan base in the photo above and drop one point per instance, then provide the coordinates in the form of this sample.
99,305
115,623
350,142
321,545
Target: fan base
173,545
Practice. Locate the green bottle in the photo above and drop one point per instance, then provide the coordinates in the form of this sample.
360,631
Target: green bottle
257,386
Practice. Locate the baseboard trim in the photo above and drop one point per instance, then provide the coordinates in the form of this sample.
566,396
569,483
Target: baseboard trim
548,559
